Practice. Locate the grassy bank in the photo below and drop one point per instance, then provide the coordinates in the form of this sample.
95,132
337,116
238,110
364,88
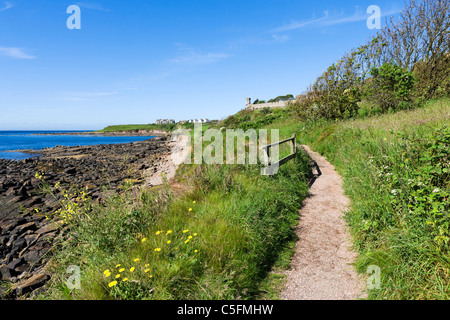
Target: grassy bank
396,173
138,127
216,239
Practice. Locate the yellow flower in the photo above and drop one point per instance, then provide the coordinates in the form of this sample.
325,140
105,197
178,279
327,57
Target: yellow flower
196,251
125,279
118,276
168,232
185,231
122,270
112,284
143,240
193,201
195,234
150,276
106,272
158,233
118,265
136,260
168,242
147,270
158,249
132,269
190,209
187,241
190,237
146,265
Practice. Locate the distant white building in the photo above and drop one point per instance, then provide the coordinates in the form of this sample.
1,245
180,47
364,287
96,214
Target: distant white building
165,121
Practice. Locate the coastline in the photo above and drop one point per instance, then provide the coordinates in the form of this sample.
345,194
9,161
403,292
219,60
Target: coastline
26,236
109,134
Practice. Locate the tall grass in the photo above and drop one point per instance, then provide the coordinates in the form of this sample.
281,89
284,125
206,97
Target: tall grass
216,240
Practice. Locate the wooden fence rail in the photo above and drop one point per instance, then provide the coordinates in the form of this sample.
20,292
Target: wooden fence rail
272,168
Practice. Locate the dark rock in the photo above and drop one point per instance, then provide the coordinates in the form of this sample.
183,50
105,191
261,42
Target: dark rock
36,281
25,227
13,264
5,274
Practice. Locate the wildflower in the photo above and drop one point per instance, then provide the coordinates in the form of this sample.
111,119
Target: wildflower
106,272
147,270
187,241
394,192
136,260
195,234
143,240
122,270
190,237
193,202
190,209
118,276
150,276
158,233
132,269
146,265
112,284
168,232
158,249
436,190
37,210
118,265
196,251
125,279
185,231
168,242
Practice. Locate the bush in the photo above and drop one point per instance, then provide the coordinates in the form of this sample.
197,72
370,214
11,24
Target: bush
390,87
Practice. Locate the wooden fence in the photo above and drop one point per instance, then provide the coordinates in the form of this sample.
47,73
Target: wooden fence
272,168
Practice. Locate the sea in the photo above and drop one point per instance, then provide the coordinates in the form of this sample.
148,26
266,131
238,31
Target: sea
25,140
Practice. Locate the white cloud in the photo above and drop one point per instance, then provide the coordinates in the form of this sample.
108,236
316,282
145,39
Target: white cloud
333,19
282,38
7,6
15,53
189,56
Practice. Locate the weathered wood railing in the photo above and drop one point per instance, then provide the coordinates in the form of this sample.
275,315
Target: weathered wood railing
272,168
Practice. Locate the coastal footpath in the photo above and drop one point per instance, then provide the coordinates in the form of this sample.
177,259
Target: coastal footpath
26,235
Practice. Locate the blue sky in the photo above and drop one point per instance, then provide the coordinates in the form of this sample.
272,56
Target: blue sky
137,61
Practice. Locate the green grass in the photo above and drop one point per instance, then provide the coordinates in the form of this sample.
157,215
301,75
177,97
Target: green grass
241,224
137,127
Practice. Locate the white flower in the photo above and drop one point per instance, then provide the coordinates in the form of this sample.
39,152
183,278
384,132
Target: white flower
436,190
394,192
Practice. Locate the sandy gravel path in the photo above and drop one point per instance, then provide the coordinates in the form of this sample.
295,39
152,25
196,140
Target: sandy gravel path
321,267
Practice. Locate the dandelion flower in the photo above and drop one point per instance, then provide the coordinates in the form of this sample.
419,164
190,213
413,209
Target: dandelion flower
143,240
158,249
106,271
190,237
195,234
147,270
132,269
118,265
168,242
196,251
118,276
146,265
125,279
168,232
190,209
193,201
122,270
136,260
112,284
185,231
150,276
186,242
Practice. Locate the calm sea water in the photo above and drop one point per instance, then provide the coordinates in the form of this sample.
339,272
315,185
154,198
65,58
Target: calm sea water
15,140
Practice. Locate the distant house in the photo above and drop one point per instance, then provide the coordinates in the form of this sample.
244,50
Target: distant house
165,121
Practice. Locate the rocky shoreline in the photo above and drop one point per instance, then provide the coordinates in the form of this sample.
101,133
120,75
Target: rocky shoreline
26,236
